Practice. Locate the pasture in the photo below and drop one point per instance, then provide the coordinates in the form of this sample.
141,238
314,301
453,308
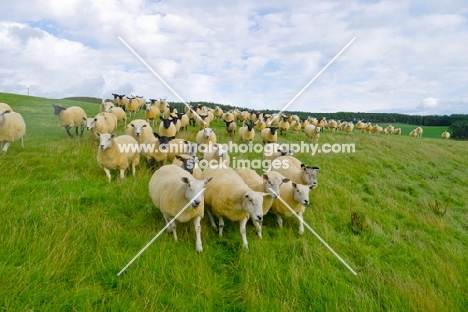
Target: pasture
66,232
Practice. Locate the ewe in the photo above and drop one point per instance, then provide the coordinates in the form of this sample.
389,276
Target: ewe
12,128
172,188
446,134
71,117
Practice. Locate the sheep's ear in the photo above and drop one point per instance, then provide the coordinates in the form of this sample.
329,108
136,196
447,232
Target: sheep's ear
7,111
265,176
185,180
313,186
132,125
95,119
207,180
113,135
171,138
156,135
179,157
294,184
304,167
97,134
144,126
286,180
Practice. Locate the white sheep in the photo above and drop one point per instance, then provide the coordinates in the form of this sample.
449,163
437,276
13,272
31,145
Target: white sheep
132,106
419,132
167,127
155,149
102,123
445,134
260,124
271,151
231,127
268,183
296,126
119,113
171,188
104,105
397,131
229,197
152,112
294,169
206,136
283,124
111,157
413,133
139,129
217,154
247,133
12,128
71,117
389,129
179,147
312,132
296,197
184,120
349,126
269,135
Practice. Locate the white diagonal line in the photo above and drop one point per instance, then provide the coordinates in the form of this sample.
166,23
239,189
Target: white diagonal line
159,233
313,79
313,232
160,78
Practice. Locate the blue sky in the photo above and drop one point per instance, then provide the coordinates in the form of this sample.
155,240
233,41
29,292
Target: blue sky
408,56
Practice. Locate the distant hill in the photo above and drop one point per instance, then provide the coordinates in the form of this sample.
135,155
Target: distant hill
85,99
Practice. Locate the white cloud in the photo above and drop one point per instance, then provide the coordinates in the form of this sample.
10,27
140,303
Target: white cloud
252,54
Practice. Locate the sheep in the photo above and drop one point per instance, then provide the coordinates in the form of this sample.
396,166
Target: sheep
163,106
389,129
171,188
123,101
267,183
184,120
305,123
295,170
5,107
104,105
360,126
111,157
255,116
296,196
155,149
397,131
312,132
12,128
231,127
102,123
152,112
205,136
167,127
419,132
445,134
260,124
283,125
333,124
217,154
176,121
296,126
271,151
274,120
349,126
119,113
413,133
202,121
140,130
231,197
132,106
269,135
71,117
228,116
190,164
218,113
141,101
247,133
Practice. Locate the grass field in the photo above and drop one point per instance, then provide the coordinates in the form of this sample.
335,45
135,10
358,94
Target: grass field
67,232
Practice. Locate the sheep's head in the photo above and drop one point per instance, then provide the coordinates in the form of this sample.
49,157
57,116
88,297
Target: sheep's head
301,193
318,129
105,140
138,128
273,130
250,126
90,122
188,163
272,184
148,106
221,149
163,141
193,188
252,204
166,122
310,174
207,133
58,109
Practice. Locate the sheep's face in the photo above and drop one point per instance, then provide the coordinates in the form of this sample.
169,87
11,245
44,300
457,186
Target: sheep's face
193,188
105,140
252,204
207,132
138,128
166,122
310,174
2,115
90,123
108,108
301,193
148,106
221,149
272,184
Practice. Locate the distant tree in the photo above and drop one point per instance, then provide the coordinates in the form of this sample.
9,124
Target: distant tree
460,129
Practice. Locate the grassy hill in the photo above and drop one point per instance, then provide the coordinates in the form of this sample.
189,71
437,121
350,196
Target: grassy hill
67,232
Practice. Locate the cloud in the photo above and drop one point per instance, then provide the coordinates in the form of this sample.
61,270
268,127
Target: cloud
429,102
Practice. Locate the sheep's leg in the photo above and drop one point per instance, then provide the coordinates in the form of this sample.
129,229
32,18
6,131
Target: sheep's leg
174,232
212,221
22,142
82,130
133,168
242,223
258,226
169,228
5,146
122,173
279,220
196,223
221,225
301,223
107,171
68,131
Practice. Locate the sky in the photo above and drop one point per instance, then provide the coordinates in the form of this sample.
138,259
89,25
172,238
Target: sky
407,57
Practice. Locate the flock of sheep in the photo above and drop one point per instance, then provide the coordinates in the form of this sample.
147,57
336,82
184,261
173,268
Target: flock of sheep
234,194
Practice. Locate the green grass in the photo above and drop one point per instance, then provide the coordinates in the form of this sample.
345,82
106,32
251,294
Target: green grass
66,232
